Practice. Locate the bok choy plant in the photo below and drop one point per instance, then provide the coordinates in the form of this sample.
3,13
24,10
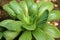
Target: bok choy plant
31,23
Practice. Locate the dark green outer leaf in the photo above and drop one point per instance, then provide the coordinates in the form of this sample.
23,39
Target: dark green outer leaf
26,36
45,6
1,35
43,18
1,29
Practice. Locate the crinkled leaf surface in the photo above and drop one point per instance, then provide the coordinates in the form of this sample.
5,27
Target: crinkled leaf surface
39,34
51,30
43,18
9,10
17,9
11,25
26,36
9,35
54,15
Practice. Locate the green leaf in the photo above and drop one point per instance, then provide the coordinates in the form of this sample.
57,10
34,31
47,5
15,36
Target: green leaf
39,3
33,10
1,35
51,30
24,7
9,10
45,6
48,37
11,25
9,35
54,15
1,29
26,36
43,18
29,27
29,3
17,9
39,34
